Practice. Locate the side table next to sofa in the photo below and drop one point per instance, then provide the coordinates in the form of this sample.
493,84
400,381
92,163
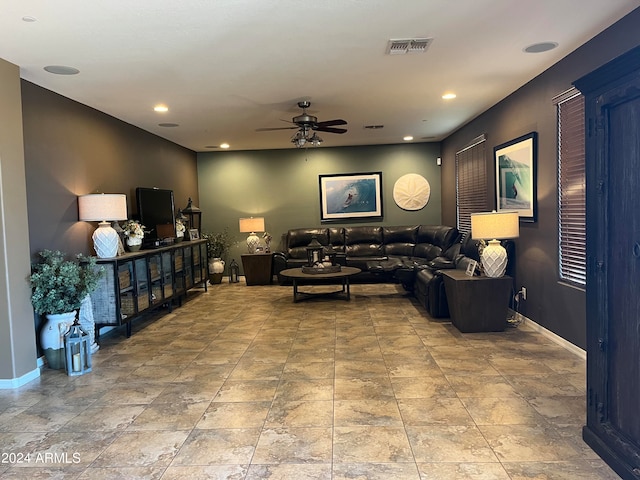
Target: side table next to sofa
477,304
257,268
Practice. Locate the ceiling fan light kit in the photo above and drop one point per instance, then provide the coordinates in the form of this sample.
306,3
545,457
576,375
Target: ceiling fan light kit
307,126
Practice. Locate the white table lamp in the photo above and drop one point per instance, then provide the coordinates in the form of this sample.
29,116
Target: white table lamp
103,208
252,225
494,225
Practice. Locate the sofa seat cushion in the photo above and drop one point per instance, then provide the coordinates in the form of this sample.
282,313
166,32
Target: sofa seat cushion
389,265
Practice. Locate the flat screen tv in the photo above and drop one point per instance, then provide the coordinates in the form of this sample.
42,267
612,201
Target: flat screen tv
157,213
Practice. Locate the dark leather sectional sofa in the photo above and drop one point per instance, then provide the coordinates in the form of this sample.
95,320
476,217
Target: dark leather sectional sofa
395,253
412,255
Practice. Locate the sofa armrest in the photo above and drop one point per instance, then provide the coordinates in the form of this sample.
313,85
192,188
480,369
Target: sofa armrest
279,264
442,263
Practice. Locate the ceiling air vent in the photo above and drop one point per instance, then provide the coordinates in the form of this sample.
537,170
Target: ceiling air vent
408,45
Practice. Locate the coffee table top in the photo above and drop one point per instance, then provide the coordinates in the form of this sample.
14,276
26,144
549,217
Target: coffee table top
298,273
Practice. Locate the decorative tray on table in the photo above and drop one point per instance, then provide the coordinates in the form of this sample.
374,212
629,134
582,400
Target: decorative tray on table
315,270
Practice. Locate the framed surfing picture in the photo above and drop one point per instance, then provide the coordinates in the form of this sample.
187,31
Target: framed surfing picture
350,196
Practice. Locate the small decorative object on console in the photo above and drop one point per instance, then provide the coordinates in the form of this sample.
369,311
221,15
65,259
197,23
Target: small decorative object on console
180,228
134,233
194,216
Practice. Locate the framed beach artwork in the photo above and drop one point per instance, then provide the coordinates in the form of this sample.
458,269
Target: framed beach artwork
349,196
516,176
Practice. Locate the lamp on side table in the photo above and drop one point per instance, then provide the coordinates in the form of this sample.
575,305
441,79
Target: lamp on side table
252,225
495,225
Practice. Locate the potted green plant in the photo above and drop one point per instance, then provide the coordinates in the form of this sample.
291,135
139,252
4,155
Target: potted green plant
218,245
58,287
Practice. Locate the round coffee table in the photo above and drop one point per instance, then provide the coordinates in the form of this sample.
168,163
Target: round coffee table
341,277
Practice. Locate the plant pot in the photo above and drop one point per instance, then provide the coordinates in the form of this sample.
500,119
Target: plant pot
216,265
52,338
133,244
215,278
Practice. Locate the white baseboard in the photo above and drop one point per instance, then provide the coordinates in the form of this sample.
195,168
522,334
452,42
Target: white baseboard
529,324
20,381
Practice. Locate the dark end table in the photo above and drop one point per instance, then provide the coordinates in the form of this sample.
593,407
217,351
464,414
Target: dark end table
478,303
257,268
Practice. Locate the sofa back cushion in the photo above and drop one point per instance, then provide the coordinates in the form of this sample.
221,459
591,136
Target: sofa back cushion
433,240
298,239
363,241
442,236
400,241
336,238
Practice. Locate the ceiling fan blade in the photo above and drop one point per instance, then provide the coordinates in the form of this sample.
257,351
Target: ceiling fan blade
331,130
331,123
276,128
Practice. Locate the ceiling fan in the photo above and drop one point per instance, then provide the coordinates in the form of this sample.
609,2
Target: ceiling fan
307,126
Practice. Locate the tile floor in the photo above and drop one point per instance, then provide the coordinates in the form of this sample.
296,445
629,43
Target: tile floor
241,383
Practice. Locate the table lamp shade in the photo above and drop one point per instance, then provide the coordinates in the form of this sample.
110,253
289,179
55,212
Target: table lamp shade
103,207
494,226
252,225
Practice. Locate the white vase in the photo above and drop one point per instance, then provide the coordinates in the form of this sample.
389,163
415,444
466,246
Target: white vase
216,265
52,337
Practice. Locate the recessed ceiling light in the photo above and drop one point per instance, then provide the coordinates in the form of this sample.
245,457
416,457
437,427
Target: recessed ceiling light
160,108
224,145
407,138
28,18
168,125
61,70
449,96
540,47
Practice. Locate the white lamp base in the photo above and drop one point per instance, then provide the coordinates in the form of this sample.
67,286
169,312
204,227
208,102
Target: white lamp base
252,242
105,241
494,259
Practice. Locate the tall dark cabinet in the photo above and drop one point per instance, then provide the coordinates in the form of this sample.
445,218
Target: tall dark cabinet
612,104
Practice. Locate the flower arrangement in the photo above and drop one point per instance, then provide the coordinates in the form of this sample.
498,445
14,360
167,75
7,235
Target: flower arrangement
59,285
180,228
134,232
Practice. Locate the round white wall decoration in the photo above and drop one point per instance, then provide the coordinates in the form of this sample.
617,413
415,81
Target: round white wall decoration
411,191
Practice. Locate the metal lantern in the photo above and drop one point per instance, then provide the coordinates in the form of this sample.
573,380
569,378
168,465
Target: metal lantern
194,216
234,272
77,350
315,252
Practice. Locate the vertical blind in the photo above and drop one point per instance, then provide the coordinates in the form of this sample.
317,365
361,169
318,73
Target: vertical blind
572,234
471,183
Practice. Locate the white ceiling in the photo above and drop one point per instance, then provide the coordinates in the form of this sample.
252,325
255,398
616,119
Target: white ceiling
227,67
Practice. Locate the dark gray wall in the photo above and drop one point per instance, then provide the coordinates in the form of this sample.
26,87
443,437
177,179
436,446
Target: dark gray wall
71,149
283,187
557,307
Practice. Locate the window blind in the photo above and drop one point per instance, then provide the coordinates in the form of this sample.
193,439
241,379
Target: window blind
572,236
471,183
